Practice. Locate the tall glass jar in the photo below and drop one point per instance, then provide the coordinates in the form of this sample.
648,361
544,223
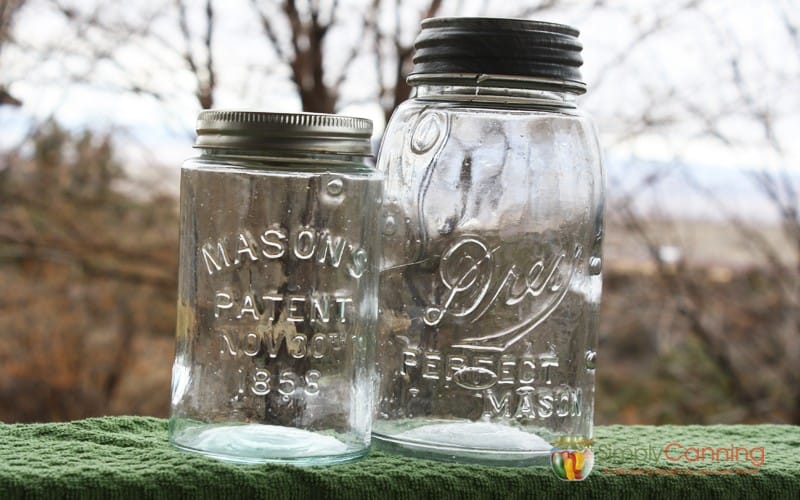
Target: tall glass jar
277,296
492,227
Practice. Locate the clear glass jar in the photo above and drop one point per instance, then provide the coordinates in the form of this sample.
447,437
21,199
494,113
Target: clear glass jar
492,227
277,294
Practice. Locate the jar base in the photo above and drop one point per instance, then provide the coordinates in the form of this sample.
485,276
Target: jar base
260,443
468,442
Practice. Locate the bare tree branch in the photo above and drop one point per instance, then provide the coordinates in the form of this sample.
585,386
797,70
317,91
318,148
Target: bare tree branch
8,11
269,31
658,24
369,23
205,83
207,98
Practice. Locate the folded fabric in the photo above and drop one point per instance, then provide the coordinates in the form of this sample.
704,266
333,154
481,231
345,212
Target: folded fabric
129,457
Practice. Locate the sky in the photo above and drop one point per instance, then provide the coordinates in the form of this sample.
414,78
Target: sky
644,60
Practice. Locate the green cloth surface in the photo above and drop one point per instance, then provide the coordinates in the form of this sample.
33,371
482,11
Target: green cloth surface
129,457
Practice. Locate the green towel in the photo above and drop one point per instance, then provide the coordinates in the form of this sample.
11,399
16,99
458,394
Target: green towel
129,457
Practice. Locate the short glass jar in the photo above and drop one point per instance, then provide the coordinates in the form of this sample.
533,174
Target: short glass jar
277,295
492,224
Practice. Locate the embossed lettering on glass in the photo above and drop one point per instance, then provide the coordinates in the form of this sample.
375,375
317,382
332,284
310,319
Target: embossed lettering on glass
492,228
277,289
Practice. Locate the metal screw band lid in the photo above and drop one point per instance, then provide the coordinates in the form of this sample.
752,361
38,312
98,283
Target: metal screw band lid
284,132
517,48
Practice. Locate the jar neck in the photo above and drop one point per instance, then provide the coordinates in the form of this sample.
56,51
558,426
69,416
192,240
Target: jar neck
281,156
496,95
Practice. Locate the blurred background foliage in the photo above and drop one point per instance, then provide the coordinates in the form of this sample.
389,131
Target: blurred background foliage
88,283
700,314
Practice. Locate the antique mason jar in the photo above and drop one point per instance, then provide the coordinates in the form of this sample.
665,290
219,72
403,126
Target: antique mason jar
492,229
277,296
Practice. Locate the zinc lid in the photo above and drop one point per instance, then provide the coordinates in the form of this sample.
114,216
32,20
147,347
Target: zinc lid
453,46
295,132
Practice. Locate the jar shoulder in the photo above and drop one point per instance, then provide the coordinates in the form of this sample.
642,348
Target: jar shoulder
278,166
487,108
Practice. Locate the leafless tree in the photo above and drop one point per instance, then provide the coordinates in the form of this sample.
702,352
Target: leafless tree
298,34
753,340
86,269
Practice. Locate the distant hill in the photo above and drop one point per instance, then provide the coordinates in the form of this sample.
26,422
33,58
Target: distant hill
694,191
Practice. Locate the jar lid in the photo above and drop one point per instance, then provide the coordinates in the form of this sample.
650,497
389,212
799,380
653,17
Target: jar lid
285,132
508,49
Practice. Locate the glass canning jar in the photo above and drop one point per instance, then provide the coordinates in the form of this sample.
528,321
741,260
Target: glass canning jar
277,299
492,229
